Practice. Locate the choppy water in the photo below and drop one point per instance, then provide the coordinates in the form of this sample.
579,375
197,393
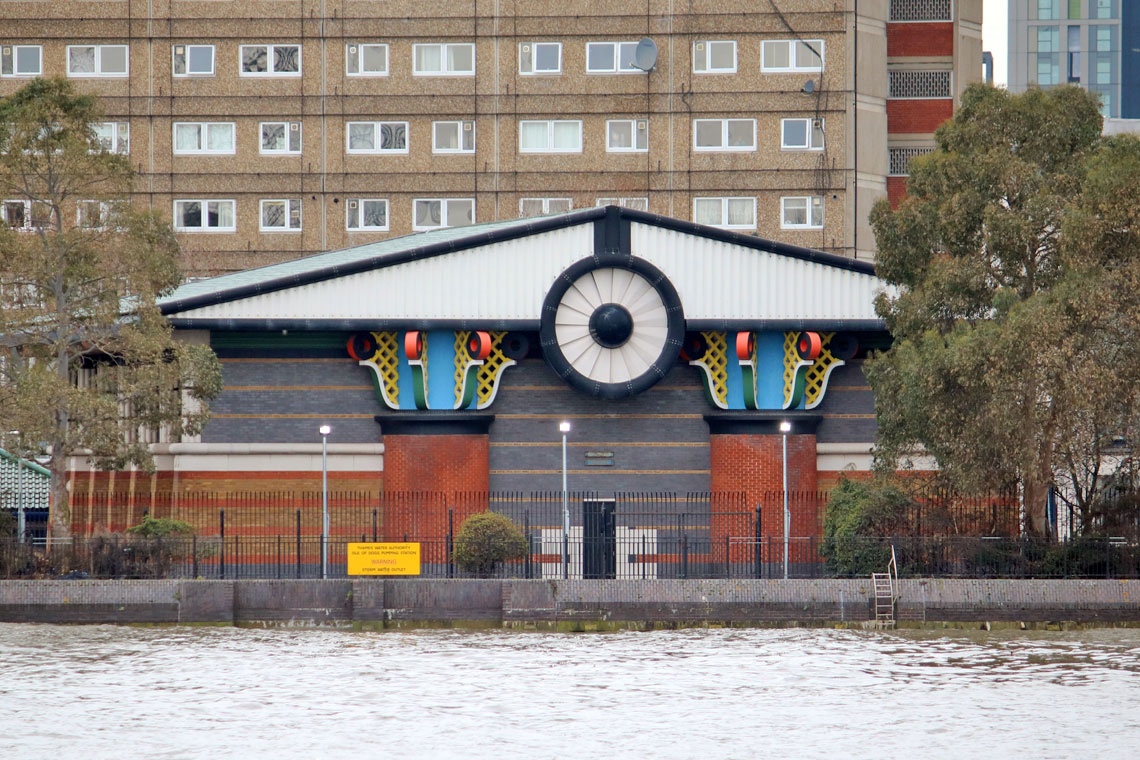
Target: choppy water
108,692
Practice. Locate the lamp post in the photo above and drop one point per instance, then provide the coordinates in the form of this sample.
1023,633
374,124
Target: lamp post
785,428
564,428
325,430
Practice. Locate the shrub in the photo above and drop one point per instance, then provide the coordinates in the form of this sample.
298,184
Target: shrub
160,527
858,513
485,540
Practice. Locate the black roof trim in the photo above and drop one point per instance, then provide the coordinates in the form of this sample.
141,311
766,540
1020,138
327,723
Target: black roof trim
531,325
607,216
851,325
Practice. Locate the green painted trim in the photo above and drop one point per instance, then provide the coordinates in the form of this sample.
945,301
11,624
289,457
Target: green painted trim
470,385
220,339
419,385
748,376
799,385
28,464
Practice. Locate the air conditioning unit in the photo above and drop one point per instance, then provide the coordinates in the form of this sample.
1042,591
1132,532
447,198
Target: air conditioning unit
352,204
466,126
700,46
526,48
179,49
294,126
817,123
352,49
641,123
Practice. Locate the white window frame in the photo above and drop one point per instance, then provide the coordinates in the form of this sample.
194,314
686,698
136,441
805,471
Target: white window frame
724,146
205,215
545,206
355,207
617,46
533,53
376,128
105,210
443,70
807,199
702,57
443,216
811,135
98,73
28,218
188,74
793,56
271,60
290,128
637,126
550,135
12,52
724,201
360,59
203,133
291,204
117,138
463,127
625,202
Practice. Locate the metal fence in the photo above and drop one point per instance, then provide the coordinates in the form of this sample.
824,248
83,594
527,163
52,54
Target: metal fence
624,535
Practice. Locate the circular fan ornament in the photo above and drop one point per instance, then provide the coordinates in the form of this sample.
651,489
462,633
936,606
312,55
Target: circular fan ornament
612,327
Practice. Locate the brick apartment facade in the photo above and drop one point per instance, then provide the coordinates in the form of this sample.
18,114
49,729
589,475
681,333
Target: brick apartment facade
272,130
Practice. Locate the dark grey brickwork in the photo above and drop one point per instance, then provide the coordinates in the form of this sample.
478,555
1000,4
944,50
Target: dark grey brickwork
842,399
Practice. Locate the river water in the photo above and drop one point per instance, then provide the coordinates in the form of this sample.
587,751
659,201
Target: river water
112,692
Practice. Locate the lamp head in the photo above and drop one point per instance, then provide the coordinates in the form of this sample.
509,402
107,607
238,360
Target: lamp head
785,427
325,429
564,427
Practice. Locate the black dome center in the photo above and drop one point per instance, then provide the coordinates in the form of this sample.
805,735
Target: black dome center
611,325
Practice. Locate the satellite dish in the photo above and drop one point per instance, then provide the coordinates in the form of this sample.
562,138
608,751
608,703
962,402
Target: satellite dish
645,57
809,86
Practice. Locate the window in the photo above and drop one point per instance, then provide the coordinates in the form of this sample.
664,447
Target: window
25,215
270,60
540,206
454,59
801,134
366,60
803,212
203,137
638,204
714,56
433,213
21,61
281,215
193,60
724,134
627,135
453,137
113,136
204,215
1048,9
97,61
1103,9
366,214
540,58
730,213
280,137
611,58
377,136
97,215
550,136
1074,46
792,55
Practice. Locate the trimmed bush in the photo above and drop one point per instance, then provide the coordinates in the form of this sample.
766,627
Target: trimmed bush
486,540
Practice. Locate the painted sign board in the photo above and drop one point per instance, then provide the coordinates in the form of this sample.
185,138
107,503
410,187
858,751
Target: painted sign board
384,559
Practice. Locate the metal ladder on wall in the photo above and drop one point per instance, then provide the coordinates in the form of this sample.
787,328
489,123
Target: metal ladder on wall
885,595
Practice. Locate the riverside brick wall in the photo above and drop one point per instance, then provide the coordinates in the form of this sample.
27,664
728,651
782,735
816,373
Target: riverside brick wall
444,463
518,602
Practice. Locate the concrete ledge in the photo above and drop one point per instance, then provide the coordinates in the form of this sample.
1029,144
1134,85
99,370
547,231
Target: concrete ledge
580,604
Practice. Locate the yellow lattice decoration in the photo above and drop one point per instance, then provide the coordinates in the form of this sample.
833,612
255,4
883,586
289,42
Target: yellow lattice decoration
816,373
387,361
490,370
461,360
716,360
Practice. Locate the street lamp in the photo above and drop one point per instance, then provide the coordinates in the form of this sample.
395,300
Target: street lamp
325,430
785,428
564,428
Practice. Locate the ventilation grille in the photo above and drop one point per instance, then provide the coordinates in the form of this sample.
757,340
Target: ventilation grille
900,159
919,84
921,10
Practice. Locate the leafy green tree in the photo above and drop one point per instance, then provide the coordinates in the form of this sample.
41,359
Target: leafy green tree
87,362
485,540
1014,265
859,514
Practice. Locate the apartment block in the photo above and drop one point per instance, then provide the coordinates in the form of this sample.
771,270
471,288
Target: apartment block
1091,43
271,130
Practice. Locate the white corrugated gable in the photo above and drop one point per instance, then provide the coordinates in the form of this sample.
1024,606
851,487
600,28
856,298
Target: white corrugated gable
508,280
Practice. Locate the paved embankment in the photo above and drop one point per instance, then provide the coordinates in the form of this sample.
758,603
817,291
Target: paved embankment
574,604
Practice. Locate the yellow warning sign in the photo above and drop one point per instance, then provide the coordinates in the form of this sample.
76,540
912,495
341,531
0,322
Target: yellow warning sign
383,559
